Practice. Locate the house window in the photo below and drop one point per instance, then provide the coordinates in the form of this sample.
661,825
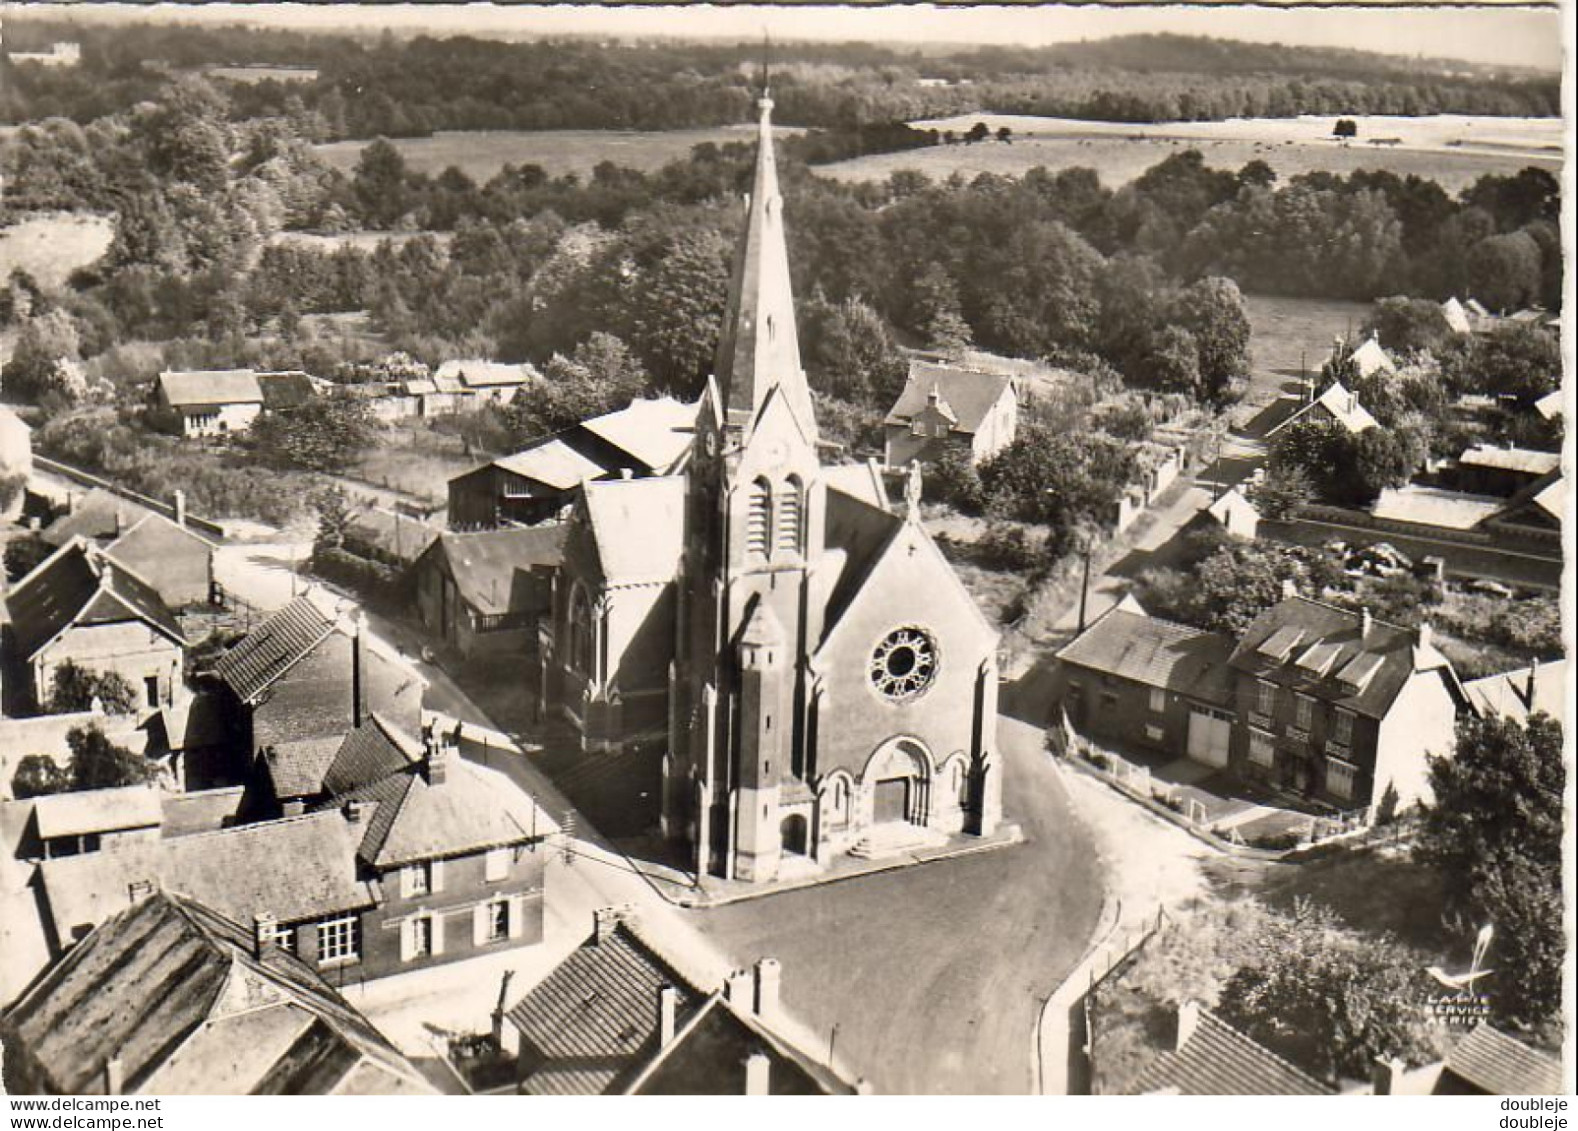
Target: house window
422,936
1339,778
1262,750
939,430
150,686
498,920
416,879
1158,700
1303,711
580,632
1265,697
1342,728
496,865
1154,733
339,939
284,937
1108,700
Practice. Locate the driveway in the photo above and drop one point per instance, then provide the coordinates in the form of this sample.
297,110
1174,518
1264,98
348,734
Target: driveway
934,975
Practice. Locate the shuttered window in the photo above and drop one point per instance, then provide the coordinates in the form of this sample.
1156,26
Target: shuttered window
789,512
759,519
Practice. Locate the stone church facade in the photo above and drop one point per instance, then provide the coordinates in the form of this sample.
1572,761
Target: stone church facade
816,677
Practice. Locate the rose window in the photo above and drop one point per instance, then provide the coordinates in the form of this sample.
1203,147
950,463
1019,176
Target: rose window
904,664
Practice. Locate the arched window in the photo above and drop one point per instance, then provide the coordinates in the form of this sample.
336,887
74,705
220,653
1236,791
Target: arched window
790,536
581,635
759,519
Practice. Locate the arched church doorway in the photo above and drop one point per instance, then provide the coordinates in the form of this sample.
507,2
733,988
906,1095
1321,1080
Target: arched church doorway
900,781
793,834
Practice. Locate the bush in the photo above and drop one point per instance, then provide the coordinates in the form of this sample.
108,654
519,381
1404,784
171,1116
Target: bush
76,688
372,580
37,775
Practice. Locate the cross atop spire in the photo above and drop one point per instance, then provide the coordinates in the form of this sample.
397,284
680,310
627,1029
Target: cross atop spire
759,350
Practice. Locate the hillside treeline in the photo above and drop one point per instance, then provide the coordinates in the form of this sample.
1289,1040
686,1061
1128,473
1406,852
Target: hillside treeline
404,88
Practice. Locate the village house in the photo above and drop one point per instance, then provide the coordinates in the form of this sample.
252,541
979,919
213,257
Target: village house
1483,1062
298,683
289,388
1335,405
387,536
1456,316
178,561
62,54
1489,469
1142,682
1369,358
417,857
81,607
485,382
617,1017
650,437
249,1017
943,406
207,402
1236,514
1515,695
1339,707
1211,1058
482,593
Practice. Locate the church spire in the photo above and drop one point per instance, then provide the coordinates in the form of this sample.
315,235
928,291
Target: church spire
759,349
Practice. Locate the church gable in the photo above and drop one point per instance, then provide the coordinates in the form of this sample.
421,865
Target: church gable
778,441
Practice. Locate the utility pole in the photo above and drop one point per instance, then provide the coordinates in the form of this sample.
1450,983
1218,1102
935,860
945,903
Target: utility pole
1084,586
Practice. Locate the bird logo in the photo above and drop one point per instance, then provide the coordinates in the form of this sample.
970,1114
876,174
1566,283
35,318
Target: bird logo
1465,981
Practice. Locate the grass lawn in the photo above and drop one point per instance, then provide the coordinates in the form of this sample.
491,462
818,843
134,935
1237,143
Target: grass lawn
1453,151
416,460
482,153
51,246
1285,333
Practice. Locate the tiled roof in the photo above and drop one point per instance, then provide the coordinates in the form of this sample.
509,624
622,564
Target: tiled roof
79,585
296,768
638,525
487,374
1365,675
656,432
1156,653
1525,460
265,653
472,809
492,568
552,462
588,1024
1503,1066
368,754
201,387
286,390
968,392
97,515
1340,404
1510,694
294,869
400,536
172,990
97,810
1218,1060
1370,358
1434,506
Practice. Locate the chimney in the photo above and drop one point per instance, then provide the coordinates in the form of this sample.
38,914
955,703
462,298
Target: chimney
180,508
437,759
354,811
626,473
1424,634
768,976
1290,589
604,922
358,672
668,1014
739,990
294,807
120,519
1366,622
758,1074
1188,1022
114,1076
138,889
1385,1074
263,928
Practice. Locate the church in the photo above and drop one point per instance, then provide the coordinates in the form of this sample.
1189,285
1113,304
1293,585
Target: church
795,649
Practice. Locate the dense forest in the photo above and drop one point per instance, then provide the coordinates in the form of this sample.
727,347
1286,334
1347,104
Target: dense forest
393,87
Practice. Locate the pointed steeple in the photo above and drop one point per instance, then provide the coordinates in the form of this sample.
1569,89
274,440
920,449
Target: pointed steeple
759,350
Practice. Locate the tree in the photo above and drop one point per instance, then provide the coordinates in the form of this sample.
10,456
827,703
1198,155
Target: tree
1494,828
333,507
98,763
1512,360
379,185
1279,493
1407,325
600,376
1212,309
850,353
25,554
42,364
37,775
674,306
325,434
1328,1000
952,478
1345,128
74,688
1508,271
1174,362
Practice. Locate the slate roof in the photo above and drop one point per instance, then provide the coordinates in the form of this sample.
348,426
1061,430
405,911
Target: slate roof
861,481
1435,506
638,525
552,462
1370,358
1364,674
1342,405
265,653
294,869
97,810
476,374
591,1023
492,568
78,585
370,753
97,515
657,432
1500,1065
173,990
473,808
198,388
400,536
1524,460
286,390
1156,653
968,392
1218,1060
1518,694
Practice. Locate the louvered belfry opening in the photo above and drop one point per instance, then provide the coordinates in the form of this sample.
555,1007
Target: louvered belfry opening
759,518
789,516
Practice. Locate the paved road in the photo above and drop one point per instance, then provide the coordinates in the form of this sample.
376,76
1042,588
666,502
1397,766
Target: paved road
935,975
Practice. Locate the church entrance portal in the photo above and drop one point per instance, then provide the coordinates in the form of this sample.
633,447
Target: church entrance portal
891,802
792,834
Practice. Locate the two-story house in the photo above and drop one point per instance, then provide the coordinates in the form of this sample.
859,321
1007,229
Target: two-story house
943,406
1340,707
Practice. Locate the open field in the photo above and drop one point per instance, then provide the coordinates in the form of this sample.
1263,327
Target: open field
50,247
482,153
1285,333
1451,150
